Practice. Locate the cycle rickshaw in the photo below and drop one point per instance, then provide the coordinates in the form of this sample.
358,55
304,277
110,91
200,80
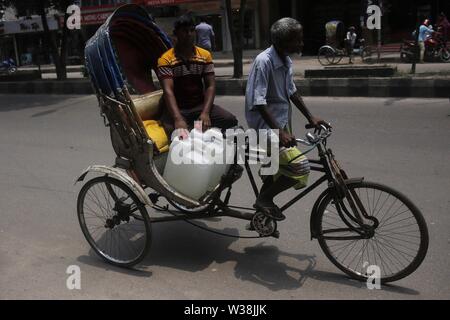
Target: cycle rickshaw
355,222
335,49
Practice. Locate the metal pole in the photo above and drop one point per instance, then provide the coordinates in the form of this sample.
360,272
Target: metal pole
379,45
416,49
379,31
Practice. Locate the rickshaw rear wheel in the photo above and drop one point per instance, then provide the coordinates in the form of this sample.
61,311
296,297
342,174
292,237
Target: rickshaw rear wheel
326,56
114,221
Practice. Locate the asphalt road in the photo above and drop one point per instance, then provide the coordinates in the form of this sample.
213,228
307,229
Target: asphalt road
46,141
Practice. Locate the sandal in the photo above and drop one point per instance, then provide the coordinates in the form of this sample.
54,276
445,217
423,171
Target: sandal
272,212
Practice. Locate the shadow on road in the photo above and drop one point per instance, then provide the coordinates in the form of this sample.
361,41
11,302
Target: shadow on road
182,247
95,261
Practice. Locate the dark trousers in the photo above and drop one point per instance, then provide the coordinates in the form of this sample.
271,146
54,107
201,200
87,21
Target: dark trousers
220,118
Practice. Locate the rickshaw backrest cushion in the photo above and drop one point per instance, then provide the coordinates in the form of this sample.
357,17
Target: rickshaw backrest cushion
148,106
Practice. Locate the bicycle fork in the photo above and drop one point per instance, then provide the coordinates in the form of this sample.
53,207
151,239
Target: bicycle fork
355,203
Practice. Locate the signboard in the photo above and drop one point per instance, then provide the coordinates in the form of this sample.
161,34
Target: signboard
27,25
95,17
98,14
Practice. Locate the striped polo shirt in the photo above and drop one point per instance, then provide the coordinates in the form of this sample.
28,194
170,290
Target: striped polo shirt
187,75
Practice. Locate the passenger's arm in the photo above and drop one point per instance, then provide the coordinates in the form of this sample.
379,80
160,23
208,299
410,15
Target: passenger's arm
171,104
210,94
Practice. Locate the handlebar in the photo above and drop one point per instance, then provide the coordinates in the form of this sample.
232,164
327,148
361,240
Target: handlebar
319,135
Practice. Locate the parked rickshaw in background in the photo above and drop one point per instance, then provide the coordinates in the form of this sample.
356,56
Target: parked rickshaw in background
335,49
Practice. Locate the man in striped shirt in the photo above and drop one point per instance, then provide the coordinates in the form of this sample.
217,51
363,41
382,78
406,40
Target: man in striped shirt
186,73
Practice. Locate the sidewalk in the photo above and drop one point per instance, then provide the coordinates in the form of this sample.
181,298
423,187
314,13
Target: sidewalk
224,66
432,80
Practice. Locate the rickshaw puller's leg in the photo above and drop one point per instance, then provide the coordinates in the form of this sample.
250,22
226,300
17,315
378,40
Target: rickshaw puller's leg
271,188
269,191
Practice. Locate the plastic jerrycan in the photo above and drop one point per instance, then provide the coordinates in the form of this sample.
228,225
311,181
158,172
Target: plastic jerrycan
187,170
214,151
220,156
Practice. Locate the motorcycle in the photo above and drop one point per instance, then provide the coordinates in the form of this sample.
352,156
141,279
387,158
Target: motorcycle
435,49
8,66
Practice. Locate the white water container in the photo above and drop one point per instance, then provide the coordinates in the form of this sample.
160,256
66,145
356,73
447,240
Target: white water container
197,164
187,171
221,156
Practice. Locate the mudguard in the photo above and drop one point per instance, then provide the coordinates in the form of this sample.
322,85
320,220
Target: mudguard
314,221
120,175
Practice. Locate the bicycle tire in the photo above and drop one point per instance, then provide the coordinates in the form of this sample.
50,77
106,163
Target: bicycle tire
338,58
326,56
366,55
127,238
444,55
386,267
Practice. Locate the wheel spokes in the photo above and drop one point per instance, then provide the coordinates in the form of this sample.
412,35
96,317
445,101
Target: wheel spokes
118,236
392,247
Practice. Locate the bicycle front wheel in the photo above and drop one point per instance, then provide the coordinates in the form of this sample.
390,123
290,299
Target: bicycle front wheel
397,244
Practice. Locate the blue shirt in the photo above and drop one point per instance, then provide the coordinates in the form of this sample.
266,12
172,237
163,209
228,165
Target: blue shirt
270,83
424,31
205,34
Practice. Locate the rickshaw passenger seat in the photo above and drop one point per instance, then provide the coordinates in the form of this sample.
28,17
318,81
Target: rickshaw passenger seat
148,107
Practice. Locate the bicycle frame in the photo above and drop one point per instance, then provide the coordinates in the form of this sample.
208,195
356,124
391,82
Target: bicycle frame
332,173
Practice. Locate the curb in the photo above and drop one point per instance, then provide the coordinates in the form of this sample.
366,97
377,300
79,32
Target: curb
338,87
363,87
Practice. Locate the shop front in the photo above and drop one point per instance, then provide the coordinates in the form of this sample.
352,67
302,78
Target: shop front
95,12
22,40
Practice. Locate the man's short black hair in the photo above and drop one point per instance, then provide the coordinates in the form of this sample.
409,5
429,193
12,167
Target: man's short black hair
186,20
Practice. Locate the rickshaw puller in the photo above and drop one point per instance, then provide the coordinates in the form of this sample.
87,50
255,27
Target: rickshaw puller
270,89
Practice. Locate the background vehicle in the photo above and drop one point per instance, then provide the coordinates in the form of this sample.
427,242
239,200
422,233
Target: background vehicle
335,49
8,66
435,50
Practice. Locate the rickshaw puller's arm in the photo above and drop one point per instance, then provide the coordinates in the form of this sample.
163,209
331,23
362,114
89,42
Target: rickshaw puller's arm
300,104
286,139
